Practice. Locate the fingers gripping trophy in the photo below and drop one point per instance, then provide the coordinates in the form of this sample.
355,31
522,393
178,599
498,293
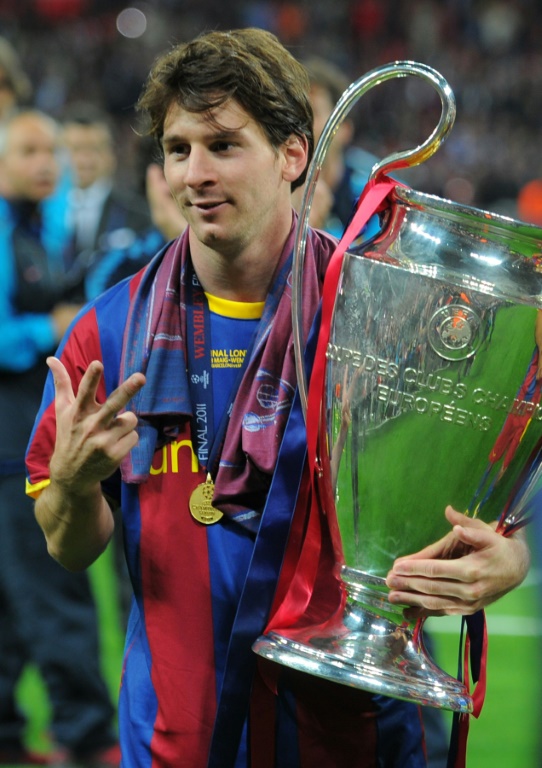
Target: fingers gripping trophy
426,395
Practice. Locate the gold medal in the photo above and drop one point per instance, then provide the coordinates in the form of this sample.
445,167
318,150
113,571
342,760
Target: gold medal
201,507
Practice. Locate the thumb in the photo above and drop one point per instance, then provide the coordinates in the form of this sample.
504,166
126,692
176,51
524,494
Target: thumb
458,518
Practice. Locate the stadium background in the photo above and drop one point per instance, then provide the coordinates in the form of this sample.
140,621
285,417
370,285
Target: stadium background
490,53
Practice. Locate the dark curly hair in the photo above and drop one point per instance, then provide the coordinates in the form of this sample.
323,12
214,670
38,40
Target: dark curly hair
250,66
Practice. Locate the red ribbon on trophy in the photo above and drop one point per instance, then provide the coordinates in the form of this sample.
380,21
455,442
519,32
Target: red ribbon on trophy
291,606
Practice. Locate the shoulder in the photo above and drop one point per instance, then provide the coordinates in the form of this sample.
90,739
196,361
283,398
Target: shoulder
112,305
322,244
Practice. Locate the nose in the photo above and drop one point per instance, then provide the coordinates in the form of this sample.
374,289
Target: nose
200,168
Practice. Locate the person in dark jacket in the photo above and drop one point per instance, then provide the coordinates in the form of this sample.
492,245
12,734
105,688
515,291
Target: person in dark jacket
48,616
102,215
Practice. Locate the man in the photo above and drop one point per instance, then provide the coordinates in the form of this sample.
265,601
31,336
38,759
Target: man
113,265
101,215
201,344
346,167
48,616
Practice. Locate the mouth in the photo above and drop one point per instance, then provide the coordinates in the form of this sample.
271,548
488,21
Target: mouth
206,206
45,184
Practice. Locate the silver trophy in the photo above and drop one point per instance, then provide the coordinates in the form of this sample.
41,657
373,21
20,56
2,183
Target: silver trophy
431,399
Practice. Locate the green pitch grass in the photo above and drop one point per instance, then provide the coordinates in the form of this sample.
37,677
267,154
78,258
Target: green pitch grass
505,736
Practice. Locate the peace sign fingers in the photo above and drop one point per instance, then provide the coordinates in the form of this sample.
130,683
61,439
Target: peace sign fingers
92,438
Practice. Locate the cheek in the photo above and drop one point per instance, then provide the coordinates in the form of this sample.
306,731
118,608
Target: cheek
173,179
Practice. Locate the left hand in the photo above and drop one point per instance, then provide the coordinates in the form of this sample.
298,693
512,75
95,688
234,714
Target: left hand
469,568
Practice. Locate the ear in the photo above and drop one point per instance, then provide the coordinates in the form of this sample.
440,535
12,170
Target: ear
295,152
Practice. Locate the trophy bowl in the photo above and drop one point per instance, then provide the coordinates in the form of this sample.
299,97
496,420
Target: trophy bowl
431,399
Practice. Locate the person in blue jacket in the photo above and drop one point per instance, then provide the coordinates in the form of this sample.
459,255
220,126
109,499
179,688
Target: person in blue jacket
47,615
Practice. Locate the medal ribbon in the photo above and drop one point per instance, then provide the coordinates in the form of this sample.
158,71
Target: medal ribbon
207,442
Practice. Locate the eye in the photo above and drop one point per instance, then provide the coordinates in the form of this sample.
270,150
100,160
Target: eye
222,146
177,150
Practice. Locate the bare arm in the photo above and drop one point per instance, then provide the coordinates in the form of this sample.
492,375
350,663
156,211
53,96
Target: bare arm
469,568
92,439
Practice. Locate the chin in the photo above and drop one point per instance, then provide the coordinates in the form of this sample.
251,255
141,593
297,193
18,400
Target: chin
43,192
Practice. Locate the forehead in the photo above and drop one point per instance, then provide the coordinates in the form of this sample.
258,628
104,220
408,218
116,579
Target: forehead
229,117
94,133
320,98
28,131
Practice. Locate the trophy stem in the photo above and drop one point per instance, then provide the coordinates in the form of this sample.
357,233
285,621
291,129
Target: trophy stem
369,646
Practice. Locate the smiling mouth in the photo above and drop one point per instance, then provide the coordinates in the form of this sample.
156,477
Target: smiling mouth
206,205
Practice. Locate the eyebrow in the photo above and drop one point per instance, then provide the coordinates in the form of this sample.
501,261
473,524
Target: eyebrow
221,135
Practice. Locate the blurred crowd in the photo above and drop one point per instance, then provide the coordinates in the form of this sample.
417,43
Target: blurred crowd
488,50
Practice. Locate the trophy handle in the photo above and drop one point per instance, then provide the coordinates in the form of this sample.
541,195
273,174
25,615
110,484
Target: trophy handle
397,160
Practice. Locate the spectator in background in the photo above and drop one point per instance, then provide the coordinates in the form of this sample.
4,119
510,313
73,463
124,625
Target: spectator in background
15,87
48,615
346,168
102,216
115,264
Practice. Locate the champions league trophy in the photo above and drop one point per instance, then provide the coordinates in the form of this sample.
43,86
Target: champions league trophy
431,398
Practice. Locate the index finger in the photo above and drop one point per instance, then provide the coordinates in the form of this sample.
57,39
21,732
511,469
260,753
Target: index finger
121,396
449,570
61,378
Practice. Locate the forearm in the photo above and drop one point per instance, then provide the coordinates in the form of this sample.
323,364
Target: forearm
77,527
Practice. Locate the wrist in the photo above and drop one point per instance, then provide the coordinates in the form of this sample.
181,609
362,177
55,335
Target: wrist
74,492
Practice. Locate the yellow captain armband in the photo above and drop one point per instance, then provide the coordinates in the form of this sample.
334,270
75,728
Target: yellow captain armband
35,489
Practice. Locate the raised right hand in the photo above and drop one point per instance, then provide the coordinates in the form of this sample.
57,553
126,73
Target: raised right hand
92,438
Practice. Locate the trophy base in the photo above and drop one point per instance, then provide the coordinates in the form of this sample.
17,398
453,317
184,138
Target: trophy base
370,646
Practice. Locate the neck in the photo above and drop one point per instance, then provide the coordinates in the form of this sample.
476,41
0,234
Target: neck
244,275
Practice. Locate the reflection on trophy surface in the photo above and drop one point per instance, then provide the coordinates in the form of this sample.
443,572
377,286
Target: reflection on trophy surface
431,398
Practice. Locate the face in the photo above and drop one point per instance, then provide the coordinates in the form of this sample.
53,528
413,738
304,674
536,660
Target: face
29,165
230,184
90,151
322,107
